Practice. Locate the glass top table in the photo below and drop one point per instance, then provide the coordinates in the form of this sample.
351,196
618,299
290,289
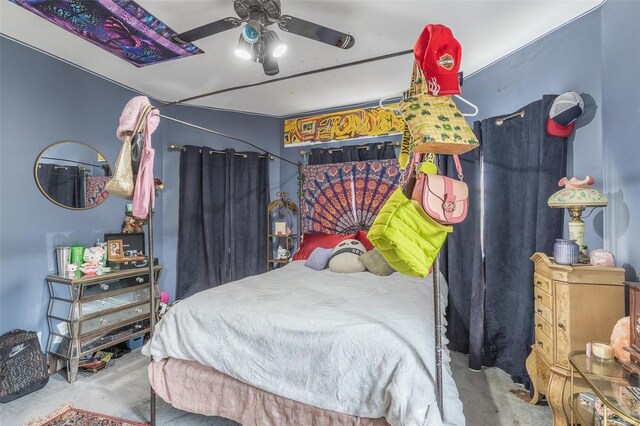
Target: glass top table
608,380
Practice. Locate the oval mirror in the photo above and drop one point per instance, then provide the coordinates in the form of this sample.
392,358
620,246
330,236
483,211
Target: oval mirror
72,175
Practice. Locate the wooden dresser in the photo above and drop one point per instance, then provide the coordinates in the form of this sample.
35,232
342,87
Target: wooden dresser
573,304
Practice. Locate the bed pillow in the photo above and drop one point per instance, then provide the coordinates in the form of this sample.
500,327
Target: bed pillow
375,263
362,237
311,241
344,257
319,258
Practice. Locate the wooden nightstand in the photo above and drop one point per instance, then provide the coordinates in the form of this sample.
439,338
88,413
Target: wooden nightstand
573,304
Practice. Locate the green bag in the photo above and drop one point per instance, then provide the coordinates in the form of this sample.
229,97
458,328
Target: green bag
408,239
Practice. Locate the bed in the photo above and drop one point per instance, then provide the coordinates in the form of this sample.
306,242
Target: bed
298,346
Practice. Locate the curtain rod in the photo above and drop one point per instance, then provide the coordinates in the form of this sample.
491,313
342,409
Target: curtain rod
72,161
204,129
303,153
302,74
173,147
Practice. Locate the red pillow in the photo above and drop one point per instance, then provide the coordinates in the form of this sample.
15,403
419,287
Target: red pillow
312,241
362,237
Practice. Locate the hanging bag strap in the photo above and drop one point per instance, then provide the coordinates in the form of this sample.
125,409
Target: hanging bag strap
405,146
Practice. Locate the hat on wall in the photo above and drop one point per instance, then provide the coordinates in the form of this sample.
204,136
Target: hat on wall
565,110
438,54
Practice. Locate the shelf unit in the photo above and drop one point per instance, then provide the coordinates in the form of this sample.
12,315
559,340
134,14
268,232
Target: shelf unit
285,211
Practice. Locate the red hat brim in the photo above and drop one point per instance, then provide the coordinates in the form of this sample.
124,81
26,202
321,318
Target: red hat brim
559,130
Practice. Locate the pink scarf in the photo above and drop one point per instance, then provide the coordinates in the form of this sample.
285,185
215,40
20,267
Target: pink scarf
144,192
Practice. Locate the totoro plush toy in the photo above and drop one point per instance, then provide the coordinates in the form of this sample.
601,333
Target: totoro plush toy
344,257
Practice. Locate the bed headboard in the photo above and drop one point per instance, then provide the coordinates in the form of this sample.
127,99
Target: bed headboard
342,198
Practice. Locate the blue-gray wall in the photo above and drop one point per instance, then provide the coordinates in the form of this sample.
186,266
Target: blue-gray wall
621,130
45,100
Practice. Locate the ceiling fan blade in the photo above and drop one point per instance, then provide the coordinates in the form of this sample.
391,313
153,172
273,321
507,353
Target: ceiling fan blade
316,32
207,30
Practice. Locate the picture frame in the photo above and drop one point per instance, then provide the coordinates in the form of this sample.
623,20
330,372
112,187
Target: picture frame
280,228
115,250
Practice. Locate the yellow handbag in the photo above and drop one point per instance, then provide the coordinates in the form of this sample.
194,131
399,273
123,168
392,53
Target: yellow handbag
408,239
434,124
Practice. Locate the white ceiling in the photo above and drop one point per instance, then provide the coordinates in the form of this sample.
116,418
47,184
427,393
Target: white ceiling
487,30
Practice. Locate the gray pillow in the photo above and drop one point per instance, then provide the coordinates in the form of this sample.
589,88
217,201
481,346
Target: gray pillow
319,258
375,263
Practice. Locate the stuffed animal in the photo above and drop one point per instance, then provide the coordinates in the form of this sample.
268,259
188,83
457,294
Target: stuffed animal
130,225
345,257
92,261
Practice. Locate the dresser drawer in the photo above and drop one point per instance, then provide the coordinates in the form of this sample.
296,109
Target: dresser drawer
542,325
101,289
543,297
542,283
543,311
136,294
545,345
113,319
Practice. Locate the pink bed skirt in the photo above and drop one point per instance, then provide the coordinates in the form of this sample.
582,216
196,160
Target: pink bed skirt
191,386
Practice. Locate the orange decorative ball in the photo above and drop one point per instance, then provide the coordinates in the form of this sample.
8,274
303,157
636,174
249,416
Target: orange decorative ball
620,338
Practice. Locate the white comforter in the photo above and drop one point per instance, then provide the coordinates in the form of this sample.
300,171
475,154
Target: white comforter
353,343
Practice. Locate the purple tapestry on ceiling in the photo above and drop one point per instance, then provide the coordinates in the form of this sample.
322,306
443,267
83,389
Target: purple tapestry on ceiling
343,198
120,27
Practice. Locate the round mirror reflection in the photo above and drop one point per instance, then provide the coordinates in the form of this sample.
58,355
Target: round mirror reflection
72,175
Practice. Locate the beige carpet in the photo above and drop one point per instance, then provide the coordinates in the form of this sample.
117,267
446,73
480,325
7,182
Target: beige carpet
123,391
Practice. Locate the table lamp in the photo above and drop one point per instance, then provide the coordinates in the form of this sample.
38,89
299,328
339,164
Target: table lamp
575,197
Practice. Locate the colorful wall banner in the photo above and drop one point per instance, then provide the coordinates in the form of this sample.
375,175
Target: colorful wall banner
343,125
121,27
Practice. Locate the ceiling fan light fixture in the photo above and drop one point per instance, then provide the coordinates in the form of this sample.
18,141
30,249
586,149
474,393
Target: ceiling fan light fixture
270,65
275,47
251,31
244,49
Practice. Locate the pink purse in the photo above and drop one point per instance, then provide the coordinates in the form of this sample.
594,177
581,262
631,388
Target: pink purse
446,200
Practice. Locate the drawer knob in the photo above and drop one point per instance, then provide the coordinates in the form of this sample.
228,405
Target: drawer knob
539,297
104,286
103,321
137,326
540,326
539,311
139,310
539,283
140,280
540,344
561,325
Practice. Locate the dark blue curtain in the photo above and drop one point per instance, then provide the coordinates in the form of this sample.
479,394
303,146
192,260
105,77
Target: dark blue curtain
490,313
222,219
64,184
372,151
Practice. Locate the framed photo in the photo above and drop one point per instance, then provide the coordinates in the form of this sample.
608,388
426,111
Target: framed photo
280,228
115,250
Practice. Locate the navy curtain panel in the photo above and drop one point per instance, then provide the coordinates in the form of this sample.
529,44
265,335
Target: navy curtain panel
64,184
343,154
521,164
222,218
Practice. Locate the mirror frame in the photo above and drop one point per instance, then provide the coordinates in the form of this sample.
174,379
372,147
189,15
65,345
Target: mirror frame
42,191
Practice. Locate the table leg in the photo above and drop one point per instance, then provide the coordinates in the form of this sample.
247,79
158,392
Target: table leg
532,370
72,369
53,364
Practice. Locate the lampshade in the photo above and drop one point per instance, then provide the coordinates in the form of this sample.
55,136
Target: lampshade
578,197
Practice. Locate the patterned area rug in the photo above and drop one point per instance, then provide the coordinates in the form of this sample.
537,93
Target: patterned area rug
70,416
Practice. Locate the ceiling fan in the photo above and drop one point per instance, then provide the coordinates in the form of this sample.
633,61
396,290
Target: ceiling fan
257,42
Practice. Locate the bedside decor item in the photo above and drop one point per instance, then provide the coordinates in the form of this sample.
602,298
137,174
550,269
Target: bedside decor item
77,255
575,197
572,305
621,339
281,216
63,257
601,257
602,350
565,252
344,257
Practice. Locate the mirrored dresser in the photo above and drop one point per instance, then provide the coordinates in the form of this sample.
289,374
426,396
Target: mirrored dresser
91,313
